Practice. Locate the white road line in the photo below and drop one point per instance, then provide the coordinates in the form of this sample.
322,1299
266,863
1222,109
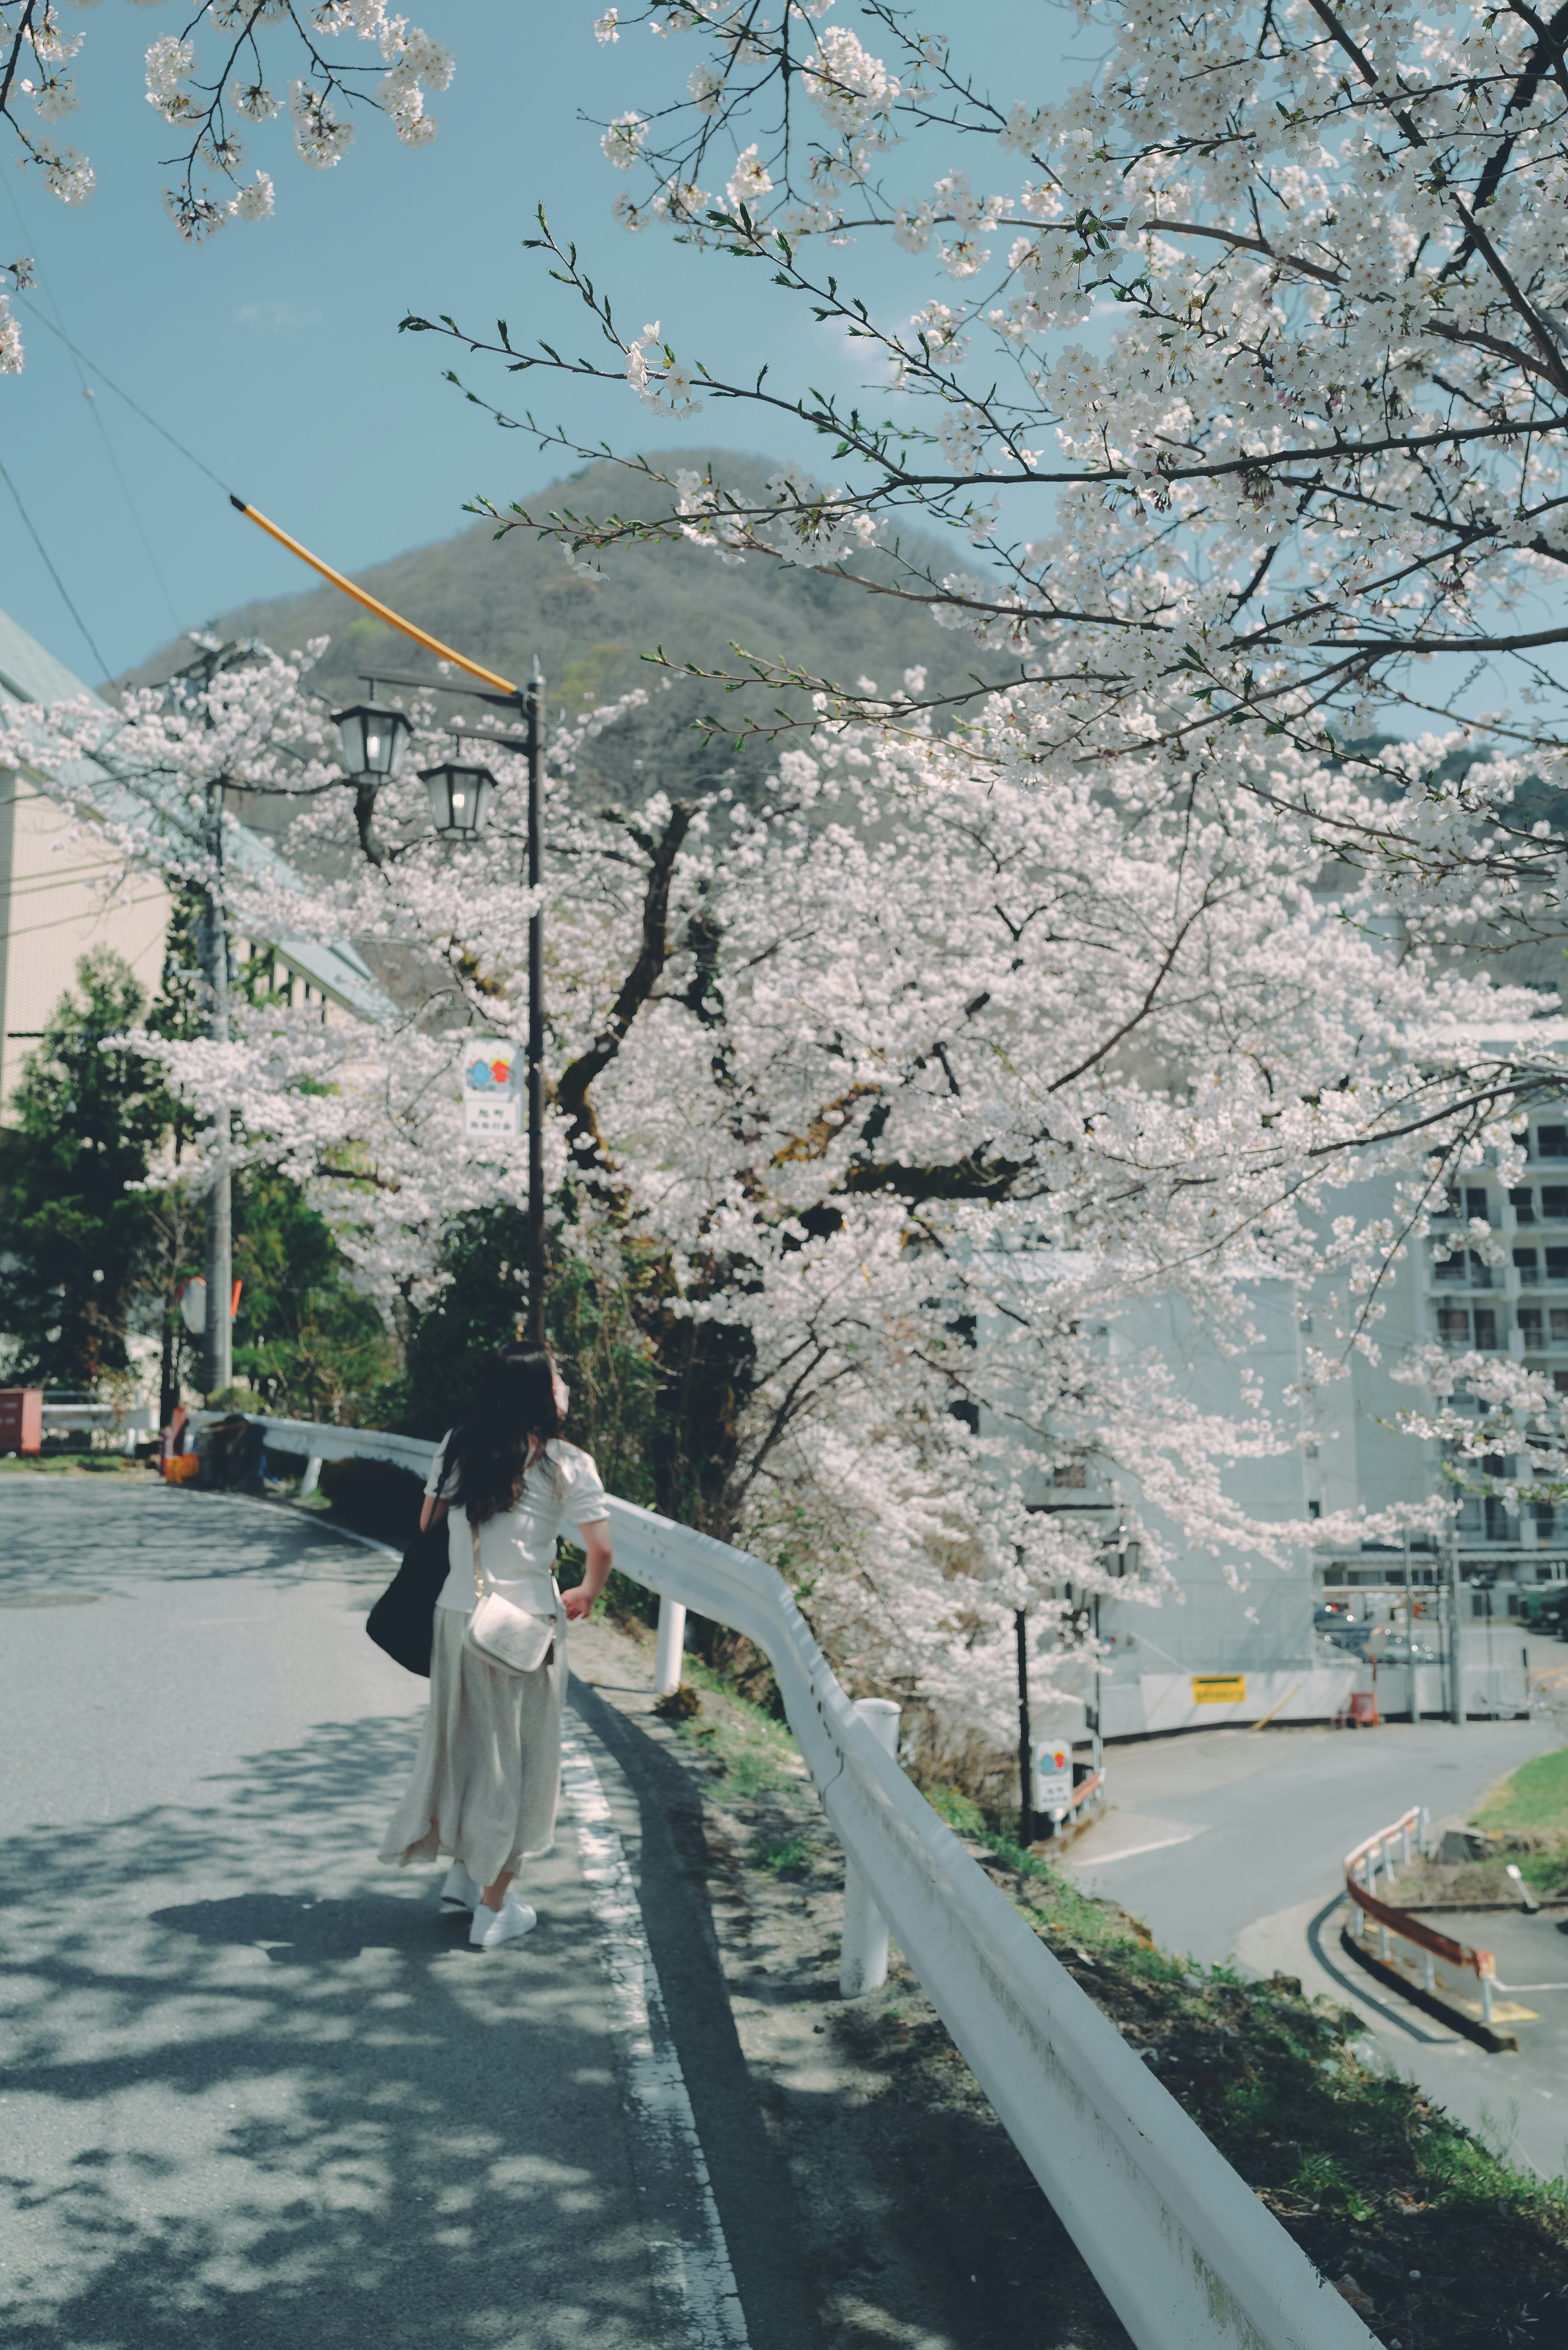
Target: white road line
1103,1860
693,2280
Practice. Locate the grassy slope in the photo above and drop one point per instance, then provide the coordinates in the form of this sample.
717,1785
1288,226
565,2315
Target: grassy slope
1442,2245
1535,1796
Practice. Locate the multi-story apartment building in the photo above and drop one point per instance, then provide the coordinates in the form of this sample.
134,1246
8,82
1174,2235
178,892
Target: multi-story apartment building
1219,1654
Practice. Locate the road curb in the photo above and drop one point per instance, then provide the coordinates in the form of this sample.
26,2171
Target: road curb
1499,2044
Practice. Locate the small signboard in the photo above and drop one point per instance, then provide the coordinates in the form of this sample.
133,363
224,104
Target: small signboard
1053,1775
21,1419
1219,1689
492,1089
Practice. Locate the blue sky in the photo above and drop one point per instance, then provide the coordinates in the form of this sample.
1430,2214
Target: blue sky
273,351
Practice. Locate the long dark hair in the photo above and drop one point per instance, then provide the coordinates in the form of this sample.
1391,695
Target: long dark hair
489,1450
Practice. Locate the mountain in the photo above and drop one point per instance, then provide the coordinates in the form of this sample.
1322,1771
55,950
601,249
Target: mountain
501,600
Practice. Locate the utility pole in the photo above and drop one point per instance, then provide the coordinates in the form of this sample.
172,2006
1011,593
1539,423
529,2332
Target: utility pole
220,1230
1025,1741
1455,1635
535,741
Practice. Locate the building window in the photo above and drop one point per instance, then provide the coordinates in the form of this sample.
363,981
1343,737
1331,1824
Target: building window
1545,1516
1315,1509
1454,1326
1560,1381
1557,1264
1475,1202
1523,1206
1527,1264
1554,1203
1559,1325
1486,1328
1466,1267
1530,1325
1551,1142
1499,1527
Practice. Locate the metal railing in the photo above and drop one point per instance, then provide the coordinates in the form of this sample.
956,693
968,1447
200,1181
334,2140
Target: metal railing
1379,1855
1186,2255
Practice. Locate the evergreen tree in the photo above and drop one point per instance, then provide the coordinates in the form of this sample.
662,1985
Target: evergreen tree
307,1343
89,1116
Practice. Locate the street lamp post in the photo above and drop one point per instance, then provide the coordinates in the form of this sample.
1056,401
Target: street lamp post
460,793
535,743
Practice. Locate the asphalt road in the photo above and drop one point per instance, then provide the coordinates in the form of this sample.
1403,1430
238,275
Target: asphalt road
1231,1844
257,2091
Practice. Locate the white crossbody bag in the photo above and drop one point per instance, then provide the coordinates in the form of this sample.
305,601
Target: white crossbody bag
506,1635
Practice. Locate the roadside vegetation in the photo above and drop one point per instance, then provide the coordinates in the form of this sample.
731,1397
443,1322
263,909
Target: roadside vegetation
1431,2234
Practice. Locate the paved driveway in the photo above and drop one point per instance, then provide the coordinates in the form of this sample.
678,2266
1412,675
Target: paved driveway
1229,1843
258,2093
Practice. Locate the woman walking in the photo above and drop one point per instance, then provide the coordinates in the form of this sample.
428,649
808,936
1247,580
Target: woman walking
487,1775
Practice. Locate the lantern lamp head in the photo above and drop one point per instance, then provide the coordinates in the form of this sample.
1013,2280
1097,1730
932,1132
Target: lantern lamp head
460,798
375,740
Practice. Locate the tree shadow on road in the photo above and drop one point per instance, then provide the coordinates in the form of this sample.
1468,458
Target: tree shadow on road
260,2094
59,1538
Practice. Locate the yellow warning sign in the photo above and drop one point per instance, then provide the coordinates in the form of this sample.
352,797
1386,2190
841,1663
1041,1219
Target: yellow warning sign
1219,1689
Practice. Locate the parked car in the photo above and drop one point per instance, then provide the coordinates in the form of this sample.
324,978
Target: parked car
1400,1649
1332,1611
1383,1643
1546,1607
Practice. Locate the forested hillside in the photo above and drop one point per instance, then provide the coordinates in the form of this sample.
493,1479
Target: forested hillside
503,601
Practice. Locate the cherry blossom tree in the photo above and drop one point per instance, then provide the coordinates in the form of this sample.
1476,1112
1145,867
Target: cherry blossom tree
920,1079
211,97
1243,364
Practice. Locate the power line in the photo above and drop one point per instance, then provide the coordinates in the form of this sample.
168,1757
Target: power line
44,553
46,285
109,450
134,405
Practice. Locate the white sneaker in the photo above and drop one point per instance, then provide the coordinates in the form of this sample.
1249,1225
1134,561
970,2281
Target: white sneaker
460,1888
492,1927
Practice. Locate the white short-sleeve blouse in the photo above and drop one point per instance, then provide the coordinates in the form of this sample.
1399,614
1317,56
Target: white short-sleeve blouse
517,1547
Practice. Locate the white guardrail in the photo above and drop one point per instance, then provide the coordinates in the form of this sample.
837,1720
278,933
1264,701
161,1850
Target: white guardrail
1185,2253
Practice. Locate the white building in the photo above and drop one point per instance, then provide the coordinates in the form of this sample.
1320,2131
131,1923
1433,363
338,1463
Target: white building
61,895
1216,1656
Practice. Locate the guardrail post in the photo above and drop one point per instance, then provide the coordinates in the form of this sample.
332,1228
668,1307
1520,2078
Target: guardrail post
1383,1950
312,1477
667,1651
1428,1973
1485,1981
863,1959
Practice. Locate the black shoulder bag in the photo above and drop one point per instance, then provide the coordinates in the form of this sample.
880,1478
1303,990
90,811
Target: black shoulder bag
403,1621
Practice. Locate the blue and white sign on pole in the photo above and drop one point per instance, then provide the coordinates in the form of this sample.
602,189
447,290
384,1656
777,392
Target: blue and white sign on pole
1053,1777
491,1098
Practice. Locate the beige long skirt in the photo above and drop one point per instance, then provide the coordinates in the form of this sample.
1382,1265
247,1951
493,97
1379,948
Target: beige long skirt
487,1776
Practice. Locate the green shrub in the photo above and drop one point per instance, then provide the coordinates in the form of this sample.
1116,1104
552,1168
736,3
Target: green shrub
374,1498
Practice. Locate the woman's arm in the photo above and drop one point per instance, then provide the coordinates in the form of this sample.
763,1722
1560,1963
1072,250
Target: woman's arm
432,1511
595,1540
